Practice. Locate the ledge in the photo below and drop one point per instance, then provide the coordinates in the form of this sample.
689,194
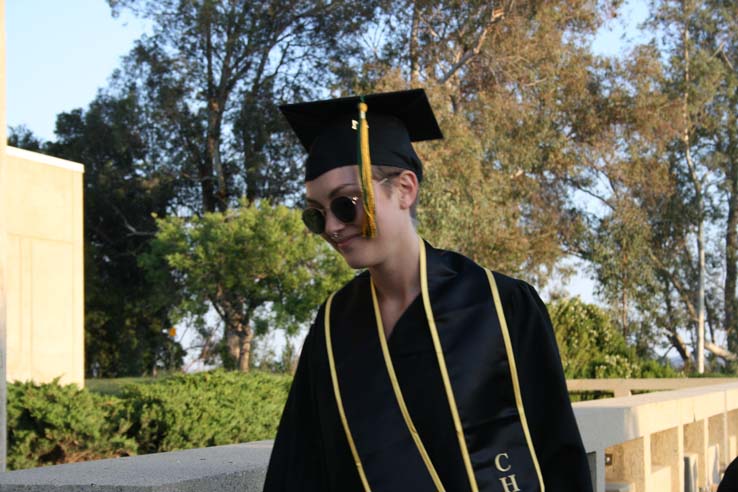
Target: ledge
237,467
44,159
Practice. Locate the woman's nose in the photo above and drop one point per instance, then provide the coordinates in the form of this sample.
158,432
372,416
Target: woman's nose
332,224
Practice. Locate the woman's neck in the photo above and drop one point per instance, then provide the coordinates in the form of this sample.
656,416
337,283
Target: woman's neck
398,277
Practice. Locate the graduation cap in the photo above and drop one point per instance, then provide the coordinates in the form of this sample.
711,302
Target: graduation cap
364,130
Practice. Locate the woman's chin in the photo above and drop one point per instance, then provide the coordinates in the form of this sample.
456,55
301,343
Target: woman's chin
354,260
353,252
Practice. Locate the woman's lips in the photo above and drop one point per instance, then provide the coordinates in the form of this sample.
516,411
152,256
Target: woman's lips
344,243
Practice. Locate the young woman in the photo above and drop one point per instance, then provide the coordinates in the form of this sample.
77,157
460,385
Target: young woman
426,372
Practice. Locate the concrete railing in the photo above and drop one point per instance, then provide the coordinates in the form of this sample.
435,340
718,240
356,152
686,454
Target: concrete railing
670,441
626,387
642,443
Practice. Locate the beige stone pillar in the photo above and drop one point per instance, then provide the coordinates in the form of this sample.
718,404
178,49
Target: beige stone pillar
695,441
732,425
631,463
716,437
667,448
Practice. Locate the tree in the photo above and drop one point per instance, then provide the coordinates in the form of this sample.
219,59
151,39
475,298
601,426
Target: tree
206,54
256,266
126,316
718,38
591,345
618,252
667,182
697,80
23,138
509,83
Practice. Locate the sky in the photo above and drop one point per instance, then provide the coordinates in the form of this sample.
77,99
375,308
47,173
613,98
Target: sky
61,52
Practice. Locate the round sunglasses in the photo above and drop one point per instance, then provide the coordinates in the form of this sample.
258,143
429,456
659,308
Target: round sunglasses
342,207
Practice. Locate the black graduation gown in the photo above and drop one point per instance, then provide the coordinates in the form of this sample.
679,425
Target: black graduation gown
312,452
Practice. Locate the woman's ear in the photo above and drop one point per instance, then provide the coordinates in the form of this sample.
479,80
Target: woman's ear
407,186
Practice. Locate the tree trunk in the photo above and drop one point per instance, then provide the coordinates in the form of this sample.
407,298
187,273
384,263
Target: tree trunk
414,69
701,297
234,345
244,354
215,116
700,355
721,352
205,174
205,169
681,347
731,246
674,337
239,340
254,141
624,314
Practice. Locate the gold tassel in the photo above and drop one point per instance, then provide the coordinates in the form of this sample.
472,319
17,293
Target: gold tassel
369,229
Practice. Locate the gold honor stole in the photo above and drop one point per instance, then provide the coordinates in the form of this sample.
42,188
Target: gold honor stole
478,369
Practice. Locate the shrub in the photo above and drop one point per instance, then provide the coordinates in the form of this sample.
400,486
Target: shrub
205,409
592,347
51,424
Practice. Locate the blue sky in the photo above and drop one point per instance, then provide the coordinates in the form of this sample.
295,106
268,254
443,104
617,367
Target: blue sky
59,52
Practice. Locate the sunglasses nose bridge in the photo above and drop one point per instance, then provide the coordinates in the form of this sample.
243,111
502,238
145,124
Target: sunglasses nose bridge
332,223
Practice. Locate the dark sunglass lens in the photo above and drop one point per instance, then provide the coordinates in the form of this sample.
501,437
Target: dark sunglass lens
344,209
313,220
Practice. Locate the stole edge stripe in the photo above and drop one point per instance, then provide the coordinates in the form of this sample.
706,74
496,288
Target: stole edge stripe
444,370
337,393
514,374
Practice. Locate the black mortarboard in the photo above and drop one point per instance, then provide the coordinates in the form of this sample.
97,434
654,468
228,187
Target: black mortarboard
329,130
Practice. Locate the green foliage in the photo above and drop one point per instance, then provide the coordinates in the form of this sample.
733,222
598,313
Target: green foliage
206,409
50,424
115,386
23,138
592,347
257,266
254,255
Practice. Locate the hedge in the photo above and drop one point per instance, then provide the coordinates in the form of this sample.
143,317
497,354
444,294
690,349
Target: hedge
206,409
52,424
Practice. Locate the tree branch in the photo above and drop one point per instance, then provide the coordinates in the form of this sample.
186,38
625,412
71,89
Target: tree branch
720,351
496,16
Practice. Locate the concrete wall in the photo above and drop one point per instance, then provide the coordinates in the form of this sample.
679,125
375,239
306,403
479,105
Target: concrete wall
42,199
